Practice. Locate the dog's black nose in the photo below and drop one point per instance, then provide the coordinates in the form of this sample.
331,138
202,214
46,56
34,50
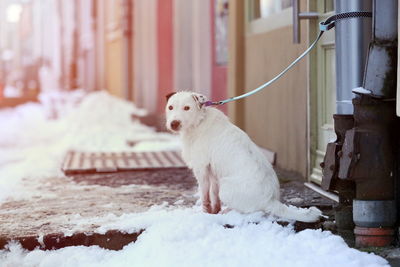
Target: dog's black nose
175,125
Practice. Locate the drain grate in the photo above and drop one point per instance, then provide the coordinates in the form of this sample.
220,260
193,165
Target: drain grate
93,162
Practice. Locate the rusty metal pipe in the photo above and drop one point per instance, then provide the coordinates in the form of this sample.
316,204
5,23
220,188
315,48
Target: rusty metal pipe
330,181
369,153
365,157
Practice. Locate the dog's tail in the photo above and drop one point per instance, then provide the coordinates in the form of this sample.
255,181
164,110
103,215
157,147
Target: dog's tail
288,212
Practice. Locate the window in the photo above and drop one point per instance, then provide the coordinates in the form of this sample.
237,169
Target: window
265,8
266,15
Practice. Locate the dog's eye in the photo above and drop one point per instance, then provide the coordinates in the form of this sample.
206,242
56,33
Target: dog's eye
186,107
170,107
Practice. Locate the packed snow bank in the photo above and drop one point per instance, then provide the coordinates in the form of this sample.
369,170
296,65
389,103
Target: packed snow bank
35,137
361,90
188,237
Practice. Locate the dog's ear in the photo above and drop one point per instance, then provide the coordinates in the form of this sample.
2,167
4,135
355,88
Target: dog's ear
169,95
199,99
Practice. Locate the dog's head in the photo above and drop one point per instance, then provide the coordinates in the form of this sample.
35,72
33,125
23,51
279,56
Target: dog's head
184,110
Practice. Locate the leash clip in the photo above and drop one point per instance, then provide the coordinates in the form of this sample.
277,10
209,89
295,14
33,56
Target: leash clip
210,103
326,27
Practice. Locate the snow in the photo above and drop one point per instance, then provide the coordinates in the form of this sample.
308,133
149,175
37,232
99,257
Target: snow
188,237
361,90
34,139
62,122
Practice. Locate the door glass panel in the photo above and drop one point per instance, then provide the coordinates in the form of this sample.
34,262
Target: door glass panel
329,6
265,8
329,86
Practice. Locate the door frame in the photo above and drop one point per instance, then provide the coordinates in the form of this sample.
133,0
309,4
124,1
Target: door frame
314,172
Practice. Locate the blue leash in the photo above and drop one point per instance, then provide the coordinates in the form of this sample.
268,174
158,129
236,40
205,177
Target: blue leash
324,26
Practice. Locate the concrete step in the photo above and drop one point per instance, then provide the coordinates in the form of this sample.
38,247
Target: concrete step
66,211
113,240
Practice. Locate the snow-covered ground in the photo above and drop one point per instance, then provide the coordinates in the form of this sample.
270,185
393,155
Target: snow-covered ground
32,147
188,237
35,137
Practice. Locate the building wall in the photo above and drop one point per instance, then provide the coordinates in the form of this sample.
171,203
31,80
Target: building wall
277,117
100,79
193,46
145,54
201,47
183,79
219,10
113,47
172,49
86,41
165,51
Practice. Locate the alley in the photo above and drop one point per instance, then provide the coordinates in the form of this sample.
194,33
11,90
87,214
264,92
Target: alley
90,176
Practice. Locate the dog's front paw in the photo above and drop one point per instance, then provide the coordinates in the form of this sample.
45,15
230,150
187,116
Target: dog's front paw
207,207
216,208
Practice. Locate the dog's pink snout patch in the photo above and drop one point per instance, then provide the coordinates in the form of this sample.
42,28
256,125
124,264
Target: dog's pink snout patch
175,125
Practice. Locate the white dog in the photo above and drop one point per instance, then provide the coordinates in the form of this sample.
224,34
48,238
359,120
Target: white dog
228,166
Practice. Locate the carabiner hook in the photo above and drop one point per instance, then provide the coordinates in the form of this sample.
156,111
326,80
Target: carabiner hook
326,27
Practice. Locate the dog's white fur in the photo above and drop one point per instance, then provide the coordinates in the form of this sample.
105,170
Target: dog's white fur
228,166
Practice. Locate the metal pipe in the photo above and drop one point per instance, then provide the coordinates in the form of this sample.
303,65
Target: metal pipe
380,74
352,40
368,156
296,22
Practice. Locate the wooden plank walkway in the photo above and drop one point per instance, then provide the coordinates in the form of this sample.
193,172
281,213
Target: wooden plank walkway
100,162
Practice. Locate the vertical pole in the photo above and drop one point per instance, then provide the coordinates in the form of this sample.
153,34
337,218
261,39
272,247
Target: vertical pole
352,38
370,150
127,50
296,21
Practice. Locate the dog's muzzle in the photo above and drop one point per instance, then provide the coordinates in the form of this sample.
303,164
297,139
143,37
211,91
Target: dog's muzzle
175,125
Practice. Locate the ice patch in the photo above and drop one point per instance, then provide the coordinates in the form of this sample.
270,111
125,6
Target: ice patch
361,90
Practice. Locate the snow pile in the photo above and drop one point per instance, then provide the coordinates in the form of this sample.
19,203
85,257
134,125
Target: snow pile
188,237
35,137
361,90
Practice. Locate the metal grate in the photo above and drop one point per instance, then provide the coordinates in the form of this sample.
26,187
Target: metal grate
92,162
